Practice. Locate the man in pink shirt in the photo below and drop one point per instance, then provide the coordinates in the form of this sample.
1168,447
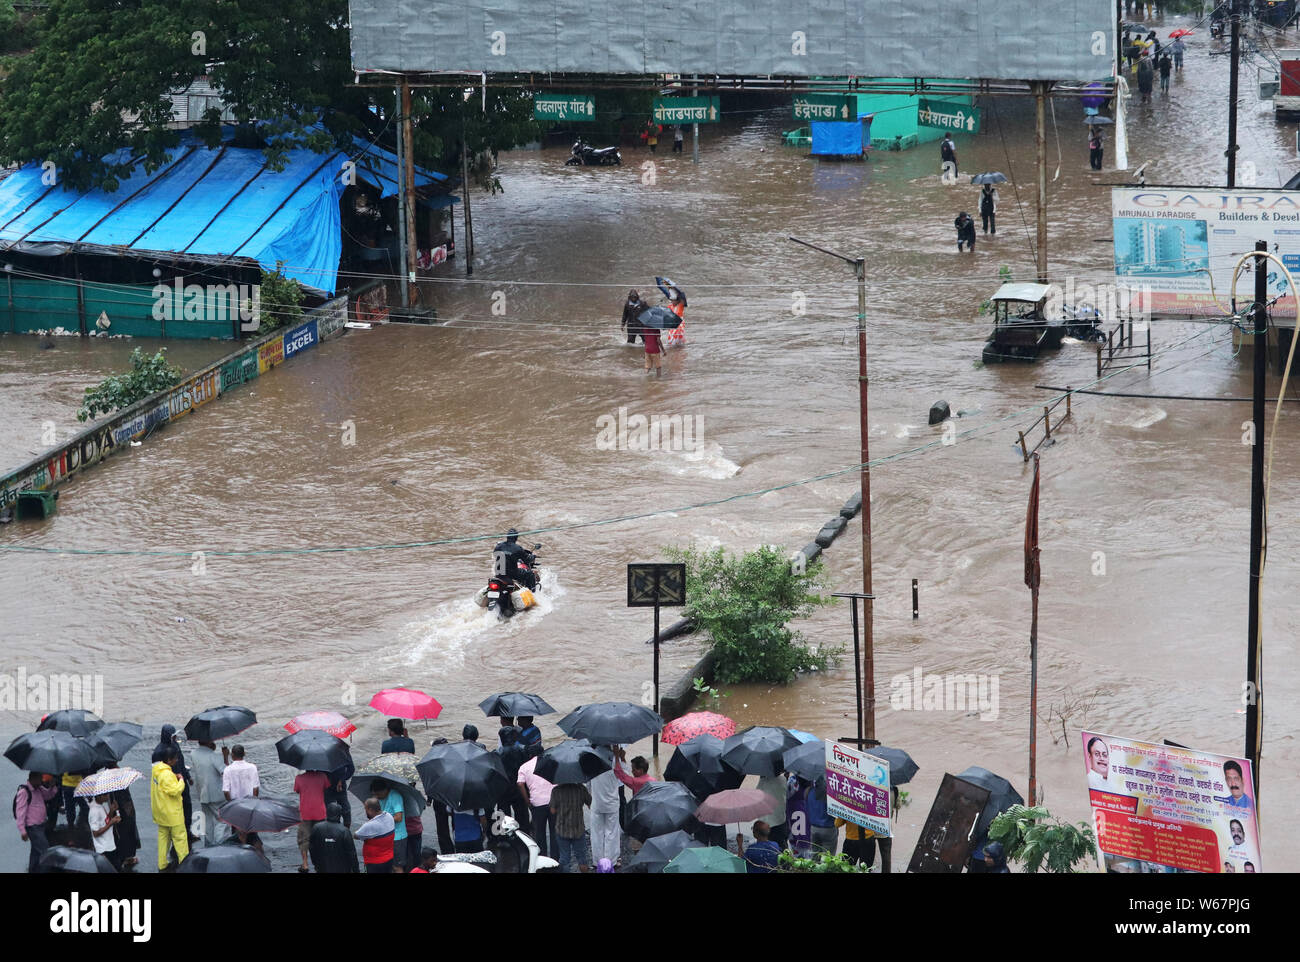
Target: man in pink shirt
30,814
537,794
310,787
640,776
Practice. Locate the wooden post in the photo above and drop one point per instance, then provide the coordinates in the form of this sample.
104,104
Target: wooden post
1148,344
1047,420
1068,394
1099,359
1024,448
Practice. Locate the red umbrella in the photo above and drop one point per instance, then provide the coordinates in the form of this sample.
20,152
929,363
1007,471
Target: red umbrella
697,723
406,703
1181,32
325,721
734,805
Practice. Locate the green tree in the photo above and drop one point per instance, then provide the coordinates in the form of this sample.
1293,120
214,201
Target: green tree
1034,836
148,375
744,603
281,302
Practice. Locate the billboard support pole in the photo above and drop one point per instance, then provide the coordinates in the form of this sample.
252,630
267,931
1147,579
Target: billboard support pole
407,161
695,132
1232,95
1040,141
1254,705
402,240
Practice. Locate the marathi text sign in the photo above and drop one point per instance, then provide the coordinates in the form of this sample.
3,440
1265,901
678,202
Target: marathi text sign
561,107
687,110
825,107
950,116
857,787
1175,249
1172,807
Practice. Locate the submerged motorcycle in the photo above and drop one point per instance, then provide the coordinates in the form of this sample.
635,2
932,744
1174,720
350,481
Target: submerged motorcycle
505,594
585,155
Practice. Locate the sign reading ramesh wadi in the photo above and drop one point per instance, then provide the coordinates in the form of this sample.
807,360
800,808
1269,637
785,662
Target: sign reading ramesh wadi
686,110
962,118
564,107
857,788
1171,808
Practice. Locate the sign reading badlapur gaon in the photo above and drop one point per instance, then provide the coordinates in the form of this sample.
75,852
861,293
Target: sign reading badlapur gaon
1164,809
857,787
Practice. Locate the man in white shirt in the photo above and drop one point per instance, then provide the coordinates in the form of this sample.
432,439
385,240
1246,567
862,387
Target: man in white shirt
101,830
606,837
1098,755
209,769
774,786
239,780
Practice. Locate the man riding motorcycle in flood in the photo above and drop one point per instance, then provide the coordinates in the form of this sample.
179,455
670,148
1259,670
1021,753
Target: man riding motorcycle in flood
506,558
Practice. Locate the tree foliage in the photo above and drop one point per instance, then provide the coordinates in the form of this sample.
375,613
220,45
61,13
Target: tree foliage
820,863
1032,835
148,375
281,301
744,603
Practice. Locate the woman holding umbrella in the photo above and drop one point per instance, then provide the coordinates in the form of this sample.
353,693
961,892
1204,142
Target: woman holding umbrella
1095,148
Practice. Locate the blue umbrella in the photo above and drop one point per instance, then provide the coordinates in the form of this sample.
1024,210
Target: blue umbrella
803,736
666,285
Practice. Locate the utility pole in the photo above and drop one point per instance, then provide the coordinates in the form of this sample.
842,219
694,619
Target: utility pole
1235,62
1040,141
402,240
465,185
407,161
1254,641
868,654
695,132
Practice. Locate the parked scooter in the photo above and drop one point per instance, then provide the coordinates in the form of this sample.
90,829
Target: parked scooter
585,155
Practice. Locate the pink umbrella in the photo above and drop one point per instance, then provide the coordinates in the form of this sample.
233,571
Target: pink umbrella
406,703
325,721
683,729
734,805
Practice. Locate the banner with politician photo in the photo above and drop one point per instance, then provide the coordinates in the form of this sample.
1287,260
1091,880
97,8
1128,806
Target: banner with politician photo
1189,810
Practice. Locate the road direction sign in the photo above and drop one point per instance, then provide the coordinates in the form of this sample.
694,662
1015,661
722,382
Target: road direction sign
687,110
951,116
837,107
564,107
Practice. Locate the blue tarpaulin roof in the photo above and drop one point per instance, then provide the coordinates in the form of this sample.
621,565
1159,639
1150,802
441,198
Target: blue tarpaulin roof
217,205
841,138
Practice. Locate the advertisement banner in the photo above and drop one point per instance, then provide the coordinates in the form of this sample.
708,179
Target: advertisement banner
270,354
1175,248
300,338
1160,808
857,788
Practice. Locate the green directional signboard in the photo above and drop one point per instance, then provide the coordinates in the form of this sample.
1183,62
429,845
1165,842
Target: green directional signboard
686,110
825,107
564,107
945,114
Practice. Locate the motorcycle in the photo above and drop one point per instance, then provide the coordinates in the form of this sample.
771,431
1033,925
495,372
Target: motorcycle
509,851
585,155
505,595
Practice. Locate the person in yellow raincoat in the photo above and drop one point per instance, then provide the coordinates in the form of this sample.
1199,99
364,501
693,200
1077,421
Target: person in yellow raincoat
165,792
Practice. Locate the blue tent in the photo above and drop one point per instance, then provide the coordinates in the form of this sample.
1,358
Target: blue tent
841,138
220,206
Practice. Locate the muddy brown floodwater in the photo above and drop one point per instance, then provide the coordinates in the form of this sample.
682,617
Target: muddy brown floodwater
492,421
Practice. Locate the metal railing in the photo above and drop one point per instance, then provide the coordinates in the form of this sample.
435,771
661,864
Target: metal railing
1119,346
1046,422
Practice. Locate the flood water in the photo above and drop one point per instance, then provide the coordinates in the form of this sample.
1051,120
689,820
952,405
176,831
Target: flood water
490,420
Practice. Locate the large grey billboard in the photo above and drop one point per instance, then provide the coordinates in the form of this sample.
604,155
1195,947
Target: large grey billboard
996,39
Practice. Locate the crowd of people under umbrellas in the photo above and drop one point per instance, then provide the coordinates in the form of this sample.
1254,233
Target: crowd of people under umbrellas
585,804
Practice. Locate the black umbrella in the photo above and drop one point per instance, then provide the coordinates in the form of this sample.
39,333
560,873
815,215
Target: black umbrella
1001,797
660,808
50,753
758,750
808,760
698,765
1097,121
512,704
259,814
573,762
412,801
662,849
227,859
901,766
74,721
992,177
659,317
611,723
464,776
114,740
217,723
60,859
313,750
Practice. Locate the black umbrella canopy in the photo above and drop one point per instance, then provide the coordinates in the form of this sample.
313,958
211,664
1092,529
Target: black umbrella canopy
114,740
50,753
660,808
1097,120
64,859
220,722
807,760
662,849
74,721
412,801
225,859
758,750
659,317
991,177
1001,797
312,750
464,776
901,766
259,814
698,765
611,723
573,762
512,704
